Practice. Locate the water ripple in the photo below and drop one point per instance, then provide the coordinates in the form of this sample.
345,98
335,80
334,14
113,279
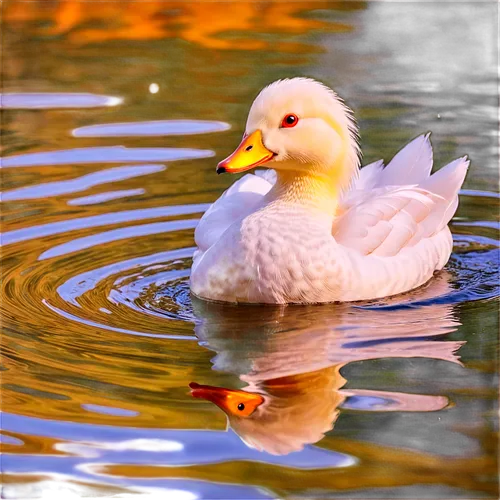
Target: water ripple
94,240
112,154
77,285
160,127
78,184
40,100
198,446
104,326
108,410
53,228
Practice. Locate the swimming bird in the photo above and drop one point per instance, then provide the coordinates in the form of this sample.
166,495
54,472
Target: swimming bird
315,227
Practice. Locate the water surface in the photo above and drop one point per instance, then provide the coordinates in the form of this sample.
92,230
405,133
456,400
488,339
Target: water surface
103,182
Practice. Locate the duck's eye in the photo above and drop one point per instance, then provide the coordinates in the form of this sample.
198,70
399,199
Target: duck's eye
290,121
241,407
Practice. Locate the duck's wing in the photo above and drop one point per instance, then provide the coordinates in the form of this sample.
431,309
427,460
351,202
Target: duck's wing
236,202
399,205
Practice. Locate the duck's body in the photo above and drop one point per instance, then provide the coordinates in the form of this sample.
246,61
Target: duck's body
318,229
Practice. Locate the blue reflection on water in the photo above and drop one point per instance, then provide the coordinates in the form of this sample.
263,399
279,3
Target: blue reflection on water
48,100
109,410
151,128
113,445
82,183
199,446
112,154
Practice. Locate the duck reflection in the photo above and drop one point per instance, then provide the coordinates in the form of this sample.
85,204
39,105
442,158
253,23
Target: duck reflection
283,414
290,360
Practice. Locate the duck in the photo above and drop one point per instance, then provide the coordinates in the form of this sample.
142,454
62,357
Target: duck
315,227
286,362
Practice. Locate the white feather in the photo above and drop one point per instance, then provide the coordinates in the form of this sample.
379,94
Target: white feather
411,165
236,202
369,175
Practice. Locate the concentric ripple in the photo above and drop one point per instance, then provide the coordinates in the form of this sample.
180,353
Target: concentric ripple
155,285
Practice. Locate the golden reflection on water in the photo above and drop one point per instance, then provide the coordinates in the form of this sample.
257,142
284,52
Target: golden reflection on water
204,22
382,467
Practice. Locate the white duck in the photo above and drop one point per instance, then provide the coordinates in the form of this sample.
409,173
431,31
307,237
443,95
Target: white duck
318,229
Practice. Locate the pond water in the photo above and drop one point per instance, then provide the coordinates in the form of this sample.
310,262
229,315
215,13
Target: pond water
115,115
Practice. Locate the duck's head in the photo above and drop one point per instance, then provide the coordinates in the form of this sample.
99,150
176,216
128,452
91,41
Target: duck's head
299,125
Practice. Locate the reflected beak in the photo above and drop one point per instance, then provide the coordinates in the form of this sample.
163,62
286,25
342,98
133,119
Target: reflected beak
250,153
231,401
215,394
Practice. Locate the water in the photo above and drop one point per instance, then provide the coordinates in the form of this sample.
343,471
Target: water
103,182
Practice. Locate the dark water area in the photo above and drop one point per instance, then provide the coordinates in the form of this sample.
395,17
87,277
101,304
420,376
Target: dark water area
113,118
441,56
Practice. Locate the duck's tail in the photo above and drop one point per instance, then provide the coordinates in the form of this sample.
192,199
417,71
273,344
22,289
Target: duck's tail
446,183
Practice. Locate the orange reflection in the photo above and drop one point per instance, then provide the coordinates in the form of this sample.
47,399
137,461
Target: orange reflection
216,25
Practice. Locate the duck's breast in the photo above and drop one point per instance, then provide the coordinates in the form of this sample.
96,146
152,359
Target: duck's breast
271,256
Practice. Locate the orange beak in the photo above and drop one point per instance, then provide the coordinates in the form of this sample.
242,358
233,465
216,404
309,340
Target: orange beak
231,401
250,153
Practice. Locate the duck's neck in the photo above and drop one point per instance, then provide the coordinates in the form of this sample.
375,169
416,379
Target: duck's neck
313,192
